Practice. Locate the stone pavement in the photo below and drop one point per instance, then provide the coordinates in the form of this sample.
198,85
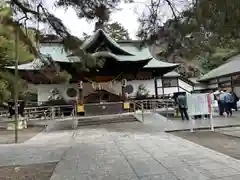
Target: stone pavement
124,151
43,148
234,131
98,154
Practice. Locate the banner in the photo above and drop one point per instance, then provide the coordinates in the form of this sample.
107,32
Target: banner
199,104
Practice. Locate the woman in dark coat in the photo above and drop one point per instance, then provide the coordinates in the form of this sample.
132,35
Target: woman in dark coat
236,99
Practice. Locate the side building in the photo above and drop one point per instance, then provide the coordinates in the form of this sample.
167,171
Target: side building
226,76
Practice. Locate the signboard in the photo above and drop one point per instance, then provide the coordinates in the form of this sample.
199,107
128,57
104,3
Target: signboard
102,86
199,104
126,105
80,108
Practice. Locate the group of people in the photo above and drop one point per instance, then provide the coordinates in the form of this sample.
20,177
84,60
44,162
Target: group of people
227,100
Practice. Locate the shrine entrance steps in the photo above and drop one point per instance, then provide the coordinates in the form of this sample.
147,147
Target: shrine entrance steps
105,119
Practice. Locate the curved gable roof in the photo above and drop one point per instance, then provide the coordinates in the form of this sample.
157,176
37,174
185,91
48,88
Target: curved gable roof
95,37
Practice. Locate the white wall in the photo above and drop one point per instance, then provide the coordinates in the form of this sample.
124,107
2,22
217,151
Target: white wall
44,91
185,85
160,91
159,82
237,90
212,86
199,87
170,90
149,84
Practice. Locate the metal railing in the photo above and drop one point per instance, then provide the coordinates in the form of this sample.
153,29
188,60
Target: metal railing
105,108
45,112
49,112
166,107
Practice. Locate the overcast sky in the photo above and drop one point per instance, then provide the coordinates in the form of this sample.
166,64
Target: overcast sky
127,16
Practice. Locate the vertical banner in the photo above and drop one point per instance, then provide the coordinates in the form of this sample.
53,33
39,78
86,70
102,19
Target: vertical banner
198,104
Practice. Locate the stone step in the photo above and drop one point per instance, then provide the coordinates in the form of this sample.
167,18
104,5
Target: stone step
105,120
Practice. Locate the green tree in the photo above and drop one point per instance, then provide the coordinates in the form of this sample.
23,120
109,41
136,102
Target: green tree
7,58
115,30
98,10
194,33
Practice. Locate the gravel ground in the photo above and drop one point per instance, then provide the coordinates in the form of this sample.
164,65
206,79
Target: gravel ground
8,137
28,172
225,144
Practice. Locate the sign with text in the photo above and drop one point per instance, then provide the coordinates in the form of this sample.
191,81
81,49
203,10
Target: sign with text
199,104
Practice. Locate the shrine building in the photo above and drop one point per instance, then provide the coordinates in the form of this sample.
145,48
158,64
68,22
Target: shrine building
128,64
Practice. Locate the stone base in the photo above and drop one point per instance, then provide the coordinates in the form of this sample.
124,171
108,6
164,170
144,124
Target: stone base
22,124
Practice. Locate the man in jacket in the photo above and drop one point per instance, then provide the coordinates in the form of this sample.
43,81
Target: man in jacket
182,105
228,100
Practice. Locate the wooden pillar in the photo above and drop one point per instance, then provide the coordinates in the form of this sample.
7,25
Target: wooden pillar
162,86
80,91
79,104
178,84
156,88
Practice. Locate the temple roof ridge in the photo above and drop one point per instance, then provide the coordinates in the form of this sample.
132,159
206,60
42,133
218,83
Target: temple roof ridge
92,39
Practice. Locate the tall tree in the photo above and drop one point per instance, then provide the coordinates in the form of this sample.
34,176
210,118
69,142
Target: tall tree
117,31
91,10
7,58
114,30
195,32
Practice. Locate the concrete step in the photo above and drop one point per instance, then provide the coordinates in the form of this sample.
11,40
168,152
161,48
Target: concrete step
105,120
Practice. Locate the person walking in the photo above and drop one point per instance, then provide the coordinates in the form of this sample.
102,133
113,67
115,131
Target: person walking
235,100
182,105
229,100
221,103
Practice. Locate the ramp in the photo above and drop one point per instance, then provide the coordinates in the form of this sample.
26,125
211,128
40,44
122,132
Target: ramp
149,116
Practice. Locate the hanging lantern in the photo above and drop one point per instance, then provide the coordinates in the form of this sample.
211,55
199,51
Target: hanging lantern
99,86
94,85
124,82
110,84
80,85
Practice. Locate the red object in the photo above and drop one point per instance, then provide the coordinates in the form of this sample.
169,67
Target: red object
209,103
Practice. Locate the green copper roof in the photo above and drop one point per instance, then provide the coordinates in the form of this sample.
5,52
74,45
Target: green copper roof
230,67
131,52
55,50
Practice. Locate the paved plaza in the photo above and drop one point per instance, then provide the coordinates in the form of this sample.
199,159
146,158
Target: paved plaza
124,151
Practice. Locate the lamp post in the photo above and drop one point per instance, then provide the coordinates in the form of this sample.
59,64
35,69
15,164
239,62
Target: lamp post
80,90
16,83
80,106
